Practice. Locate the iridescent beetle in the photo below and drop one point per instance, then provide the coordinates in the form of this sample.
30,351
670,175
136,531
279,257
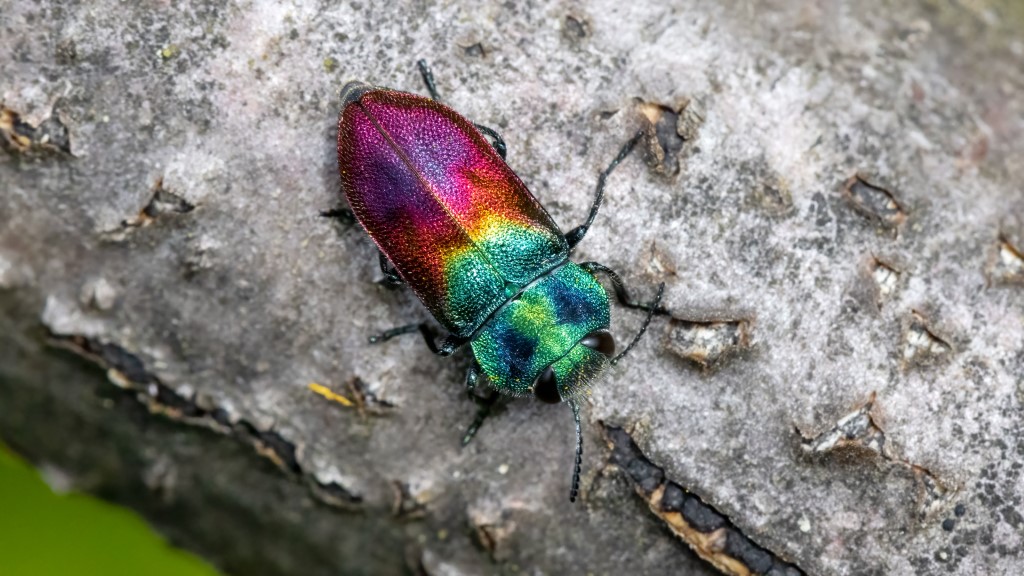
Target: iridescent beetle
454,223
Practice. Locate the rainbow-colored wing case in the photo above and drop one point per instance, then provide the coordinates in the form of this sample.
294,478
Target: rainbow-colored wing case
459,226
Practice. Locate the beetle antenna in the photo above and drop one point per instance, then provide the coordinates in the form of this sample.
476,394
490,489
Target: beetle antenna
579,451
650,313
576,234
428,79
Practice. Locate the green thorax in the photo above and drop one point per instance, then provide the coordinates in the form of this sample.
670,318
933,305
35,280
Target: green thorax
541,327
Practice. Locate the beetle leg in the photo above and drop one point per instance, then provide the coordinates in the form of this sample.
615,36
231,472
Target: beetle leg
576,234
428,79
448,346
497,141
621,293
343,215
626,300
650,314
391,278
483,411
472,375
389,334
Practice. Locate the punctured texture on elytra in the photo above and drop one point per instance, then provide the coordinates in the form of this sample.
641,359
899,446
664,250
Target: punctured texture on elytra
453,218
463,231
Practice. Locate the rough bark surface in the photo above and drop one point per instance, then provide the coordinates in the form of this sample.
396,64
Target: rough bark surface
833,193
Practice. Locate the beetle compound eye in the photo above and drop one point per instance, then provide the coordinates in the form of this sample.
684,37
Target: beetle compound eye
600,340
546,389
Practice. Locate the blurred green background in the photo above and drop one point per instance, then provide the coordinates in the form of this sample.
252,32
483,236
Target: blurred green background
43,533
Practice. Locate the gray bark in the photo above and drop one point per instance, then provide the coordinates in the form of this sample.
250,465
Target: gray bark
832,192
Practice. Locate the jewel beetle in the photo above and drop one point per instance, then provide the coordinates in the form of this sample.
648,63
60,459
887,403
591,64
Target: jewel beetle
455,224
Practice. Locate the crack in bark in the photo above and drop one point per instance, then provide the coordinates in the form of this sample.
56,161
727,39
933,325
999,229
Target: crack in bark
162,202
921,344
859,434
874,202
706,343
19,137
708,532
1006,266
128,372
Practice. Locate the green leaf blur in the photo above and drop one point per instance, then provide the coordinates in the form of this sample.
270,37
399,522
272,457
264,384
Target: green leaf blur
43,533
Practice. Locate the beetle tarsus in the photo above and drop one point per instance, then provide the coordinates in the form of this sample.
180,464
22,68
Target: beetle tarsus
484,410
389,334
429,336
448,346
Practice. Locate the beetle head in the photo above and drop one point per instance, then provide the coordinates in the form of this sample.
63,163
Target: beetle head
570,375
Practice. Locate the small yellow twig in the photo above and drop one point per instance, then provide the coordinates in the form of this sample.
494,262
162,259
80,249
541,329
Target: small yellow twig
330,394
